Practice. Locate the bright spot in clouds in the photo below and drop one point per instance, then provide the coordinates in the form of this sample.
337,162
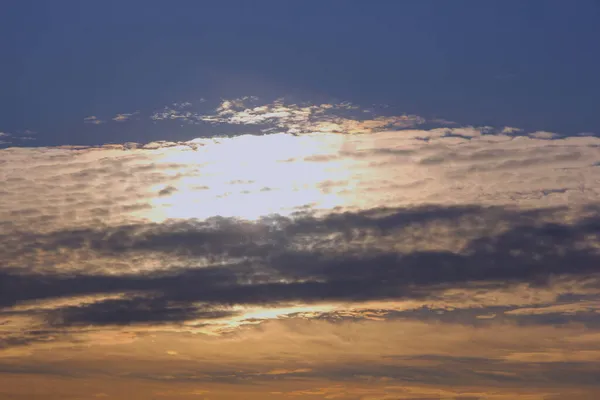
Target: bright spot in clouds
251,176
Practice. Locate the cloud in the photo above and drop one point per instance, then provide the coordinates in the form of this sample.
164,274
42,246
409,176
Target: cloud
287,371
128,311
406,358
62,189
167,191
124,117
93,120
565,308
280,116
87,188
269,262
372,257
5,136
19,137
544,135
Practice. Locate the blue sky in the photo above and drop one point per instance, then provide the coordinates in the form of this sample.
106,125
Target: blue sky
529,64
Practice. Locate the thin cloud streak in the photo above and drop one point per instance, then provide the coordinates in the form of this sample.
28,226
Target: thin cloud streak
92,119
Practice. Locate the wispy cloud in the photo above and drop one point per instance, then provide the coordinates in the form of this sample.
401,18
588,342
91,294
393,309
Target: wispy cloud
124,117
280,116
4,136
544,135
93,120
16,137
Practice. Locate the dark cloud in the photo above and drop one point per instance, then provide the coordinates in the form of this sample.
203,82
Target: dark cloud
469,316
26,337
133,310
167,191
269,270
224,235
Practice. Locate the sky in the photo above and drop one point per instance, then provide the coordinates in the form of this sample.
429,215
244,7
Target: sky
349,200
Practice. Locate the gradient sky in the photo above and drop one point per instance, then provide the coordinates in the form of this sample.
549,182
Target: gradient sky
353,200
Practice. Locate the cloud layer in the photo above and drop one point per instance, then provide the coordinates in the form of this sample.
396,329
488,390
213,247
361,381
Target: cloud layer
329,257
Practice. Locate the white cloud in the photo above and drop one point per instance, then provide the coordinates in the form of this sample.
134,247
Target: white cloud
280,116
124,117
507,130
390,169
20,136
92,119
6,136
544,135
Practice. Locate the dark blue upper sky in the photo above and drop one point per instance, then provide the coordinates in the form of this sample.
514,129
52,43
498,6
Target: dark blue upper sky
530,64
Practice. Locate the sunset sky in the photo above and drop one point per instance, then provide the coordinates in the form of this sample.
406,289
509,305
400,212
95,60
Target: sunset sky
303,200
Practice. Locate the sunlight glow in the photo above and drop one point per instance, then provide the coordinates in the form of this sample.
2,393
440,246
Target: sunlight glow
251,176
